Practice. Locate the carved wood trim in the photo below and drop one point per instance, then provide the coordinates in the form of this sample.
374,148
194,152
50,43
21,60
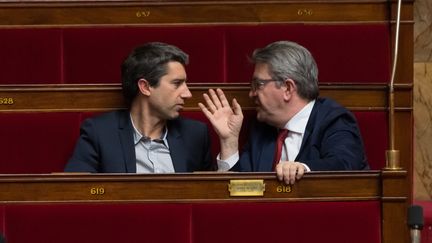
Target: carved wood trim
388,187
315,186
68,13
19,98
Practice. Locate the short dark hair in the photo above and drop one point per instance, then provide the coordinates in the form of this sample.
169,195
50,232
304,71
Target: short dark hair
148,62
289,60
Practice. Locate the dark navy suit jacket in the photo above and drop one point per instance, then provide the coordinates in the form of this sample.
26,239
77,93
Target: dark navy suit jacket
332,141
106,145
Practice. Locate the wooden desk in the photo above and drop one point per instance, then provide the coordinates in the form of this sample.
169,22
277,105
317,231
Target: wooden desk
386,187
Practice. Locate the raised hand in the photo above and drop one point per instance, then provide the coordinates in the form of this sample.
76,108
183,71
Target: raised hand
226,120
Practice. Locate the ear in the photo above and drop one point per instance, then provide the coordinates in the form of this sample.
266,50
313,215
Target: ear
144,87
290,89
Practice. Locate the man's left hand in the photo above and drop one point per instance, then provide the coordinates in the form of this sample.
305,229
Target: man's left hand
290,171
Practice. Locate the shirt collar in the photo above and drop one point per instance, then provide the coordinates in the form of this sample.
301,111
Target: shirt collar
138,136
299,121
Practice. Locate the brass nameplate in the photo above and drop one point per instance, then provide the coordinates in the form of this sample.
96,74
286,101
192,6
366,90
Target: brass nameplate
243,188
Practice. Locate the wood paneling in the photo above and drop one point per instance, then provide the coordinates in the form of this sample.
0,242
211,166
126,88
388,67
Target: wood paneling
315,186
197,12
109,96
388,187
395,201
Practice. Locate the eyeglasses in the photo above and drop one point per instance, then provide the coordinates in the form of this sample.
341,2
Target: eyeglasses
257,84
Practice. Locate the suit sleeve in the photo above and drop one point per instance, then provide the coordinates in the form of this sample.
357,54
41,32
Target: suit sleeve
340,148
208,162
245,162
85,156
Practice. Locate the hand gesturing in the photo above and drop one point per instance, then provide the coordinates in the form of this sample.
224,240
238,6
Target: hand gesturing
226,120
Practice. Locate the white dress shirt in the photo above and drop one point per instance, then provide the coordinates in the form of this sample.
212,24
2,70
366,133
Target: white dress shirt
152,156
291,147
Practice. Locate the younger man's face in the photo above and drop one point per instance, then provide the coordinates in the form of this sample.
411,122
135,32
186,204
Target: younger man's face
168,98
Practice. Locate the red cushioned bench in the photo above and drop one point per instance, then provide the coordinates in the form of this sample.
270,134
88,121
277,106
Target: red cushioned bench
41,142
254,222
218,53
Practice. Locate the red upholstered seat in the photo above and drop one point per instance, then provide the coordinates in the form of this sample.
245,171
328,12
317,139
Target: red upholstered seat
91,223
374,129
43,142
2,216
30,56
336,222
344,53
218,54
302,222
94,55
37,142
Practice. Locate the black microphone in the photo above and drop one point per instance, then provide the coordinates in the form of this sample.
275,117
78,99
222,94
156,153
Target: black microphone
2,239
415,222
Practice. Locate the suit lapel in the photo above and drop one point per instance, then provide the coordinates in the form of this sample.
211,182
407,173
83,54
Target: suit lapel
267,156
126,139
177,148
267,144
309,128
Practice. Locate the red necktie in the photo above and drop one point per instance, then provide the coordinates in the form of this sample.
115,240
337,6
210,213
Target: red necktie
283,133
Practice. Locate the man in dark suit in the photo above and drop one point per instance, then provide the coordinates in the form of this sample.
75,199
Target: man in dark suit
149,137
296,130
